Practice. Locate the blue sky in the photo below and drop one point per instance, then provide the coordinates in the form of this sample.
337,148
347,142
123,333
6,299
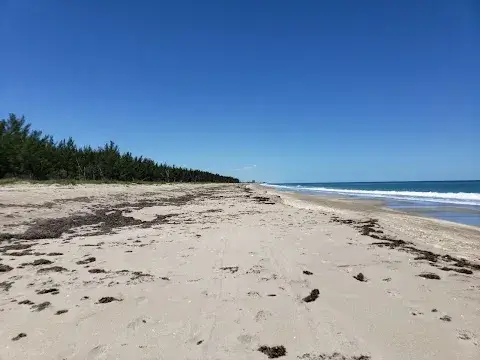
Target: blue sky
279,91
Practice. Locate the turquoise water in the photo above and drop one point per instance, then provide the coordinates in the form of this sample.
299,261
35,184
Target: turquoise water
457,201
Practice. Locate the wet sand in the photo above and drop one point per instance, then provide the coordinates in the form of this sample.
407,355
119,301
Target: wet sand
230,271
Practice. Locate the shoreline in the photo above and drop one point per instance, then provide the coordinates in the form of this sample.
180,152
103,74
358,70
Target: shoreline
382,205
196,271
442,211
436,234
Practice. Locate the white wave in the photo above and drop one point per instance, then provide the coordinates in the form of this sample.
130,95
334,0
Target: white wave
447,198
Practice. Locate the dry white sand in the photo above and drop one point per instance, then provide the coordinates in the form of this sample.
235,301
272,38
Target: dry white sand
212,272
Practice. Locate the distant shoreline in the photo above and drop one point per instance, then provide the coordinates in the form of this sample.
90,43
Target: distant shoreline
456,207
366,207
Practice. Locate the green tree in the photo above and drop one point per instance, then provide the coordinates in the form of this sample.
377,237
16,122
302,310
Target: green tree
30,154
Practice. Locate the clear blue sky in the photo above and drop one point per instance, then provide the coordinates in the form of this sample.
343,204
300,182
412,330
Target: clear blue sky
269,90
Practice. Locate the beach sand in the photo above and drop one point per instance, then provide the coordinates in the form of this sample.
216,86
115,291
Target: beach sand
230,272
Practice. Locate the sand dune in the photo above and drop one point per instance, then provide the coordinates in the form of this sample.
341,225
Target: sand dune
229,272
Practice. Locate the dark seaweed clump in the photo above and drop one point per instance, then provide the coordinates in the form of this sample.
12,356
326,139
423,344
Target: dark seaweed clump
232,269
372,229
273,351
313,296
360,277
107,299
430,276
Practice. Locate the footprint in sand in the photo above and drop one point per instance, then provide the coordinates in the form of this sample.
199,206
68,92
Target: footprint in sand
247,339
98,353
135,324
269,277
262,315
301,283
393,293
141,299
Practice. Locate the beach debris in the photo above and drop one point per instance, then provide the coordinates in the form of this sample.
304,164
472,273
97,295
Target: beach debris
313,296
107,299
85,298
8,247
263,200
139,274
5,268
371,228
269,277
446,318
60,312
42,306
51,269
428,275
6,285
86,261
427,255
38,262
459,270
360,277
232,269
306,272
105,219
96,271
464,336
273,351
26,302
463,271
461,262
434,310
52,291
199,342
272,295
387,279
19,336
21,253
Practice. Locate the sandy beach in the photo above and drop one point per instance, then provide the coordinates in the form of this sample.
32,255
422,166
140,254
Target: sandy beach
230,272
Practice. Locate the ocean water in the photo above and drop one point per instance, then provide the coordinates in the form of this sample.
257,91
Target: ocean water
457,201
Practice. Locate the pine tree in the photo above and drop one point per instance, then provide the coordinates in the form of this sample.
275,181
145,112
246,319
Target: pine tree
30,154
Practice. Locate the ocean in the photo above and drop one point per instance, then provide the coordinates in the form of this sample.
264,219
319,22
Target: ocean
457,201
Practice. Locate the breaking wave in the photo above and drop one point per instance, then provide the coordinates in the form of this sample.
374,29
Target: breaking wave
437,197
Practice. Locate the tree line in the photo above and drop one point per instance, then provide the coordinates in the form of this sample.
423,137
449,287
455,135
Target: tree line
29,154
